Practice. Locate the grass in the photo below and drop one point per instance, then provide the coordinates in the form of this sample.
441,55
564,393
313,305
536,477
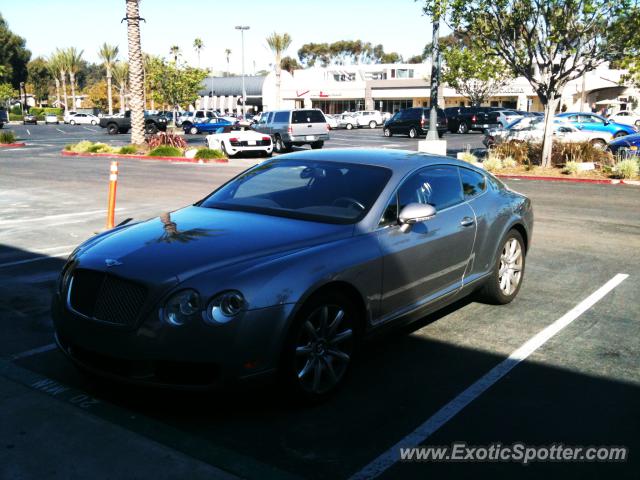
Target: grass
128,150
626,168
492,164
209,153
101,148
165,151
468,157
7,136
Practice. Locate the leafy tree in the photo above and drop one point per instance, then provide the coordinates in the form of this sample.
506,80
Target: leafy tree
310,53
60,60
278,43
472,74
7,92
549,42
415,59
136,72
53,69
108,54
198,45
289,64
73,60
38,78
98,95
14,57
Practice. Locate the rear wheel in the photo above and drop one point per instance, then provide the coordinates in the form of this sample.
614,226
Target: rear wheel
462,128
72,122
620,134
112,129
599,143
193,130
93,122
413,133
151,129
372,124
349,126
504,283
317,145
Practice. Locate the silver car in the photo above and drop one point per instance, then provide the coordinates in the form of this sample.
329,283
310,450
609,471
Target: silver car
285,269
294,127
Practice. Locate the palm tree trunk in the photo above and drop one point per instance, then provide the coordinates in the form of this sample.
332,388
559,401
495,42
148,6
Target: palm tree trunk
122,106
57,90
72,79
64,90
136,76
109,95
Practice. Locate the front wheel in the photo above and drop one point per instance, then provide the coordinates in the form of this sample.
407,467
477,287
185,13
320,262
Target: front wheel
462,128
72,122
349,126
413,133
504,283
599,143
620,134
151,129
112,129
387,132
94,123
372,124
193,130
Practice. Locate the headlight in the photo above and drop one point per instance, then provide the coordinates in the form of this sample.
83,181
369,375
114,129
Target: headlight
181,307
225,306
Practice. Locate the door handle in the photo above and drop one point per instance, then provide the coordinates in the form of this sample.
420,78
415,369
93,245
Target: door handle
309,126
467,222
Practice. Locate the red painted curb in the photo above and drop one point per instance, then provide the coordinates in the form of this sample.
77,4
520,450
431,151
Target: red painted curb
561,179
144,157
12,145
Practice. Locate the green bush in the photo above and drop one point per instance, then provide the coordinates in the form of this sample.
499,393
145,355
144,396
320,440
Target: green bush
100,148
626,168
15,118
7,136
165,151
55,111
209,153
16,110
80,147
570,168
128,150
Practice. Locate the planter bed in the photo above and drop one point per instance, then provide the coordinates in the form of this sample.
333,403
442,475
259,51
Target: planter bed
143,157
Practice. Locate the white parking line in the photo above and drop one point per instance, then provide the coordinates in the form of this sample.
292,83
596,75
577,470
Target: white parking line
34,351
451,409
90,129
28,132
61,131
37,259
19,221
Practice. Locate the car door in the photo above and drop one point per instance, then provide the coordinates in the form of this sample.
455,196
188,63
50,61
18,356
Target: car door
591,122
426,261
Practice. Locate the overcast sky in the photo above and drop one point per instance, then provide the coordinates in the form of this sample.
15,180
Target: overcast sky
46,24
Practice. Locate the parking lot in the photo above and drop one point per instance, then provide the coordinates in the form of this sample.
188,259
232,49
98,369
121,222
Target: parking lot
581,387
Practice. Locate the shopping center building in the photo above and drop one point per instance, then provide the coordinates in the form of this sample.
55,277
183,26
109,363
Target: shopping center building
393,87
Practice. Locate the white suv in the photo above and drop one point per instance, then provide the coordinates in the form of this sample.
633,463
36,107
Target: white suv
369,118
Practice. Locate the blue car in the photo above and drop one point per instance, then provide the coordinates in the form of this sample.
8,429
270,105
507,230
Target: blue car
591,121
209,125
627,145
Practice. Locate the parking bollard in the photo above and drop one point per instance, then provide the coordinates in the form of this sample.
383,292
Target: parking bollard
113,182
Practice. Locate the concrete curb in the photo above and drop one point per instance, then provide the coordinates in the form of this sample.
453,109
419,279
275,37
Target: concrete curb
144,157
13,145
607,181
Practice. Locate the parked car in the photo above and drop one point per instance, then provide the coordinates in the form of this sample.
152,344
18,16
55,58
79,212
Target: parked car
368,118
208,125
346,120
152,123
4,116
331,121
592,121
466,119
81,119
628,145
414,122
237,139
506,117
186,119
294,127
626,117
284,270
51,118
29,118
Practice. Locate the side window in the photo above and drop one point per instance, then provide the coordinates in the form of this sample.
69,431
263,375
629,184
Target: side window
438,186
281,117
473,183
199,115
390,215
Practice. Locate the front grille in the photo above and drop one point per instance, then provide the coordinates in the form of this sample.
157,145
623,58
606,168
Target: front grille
107,298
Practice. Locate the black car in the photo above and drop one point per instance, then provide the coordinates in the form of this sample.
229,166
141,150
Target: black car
152,123
465,119
414,122
28,118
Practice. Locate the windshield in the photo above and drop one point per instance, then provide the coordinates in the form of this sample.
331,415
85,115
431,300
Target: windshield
309,190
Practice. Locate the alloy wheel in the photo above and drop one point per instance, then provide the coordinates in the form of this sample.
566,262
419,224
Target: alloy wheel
324,349
510,272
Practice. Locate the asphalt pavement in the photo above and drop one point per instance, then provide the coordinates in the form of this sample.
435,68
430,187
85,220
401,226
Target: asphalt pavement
579,387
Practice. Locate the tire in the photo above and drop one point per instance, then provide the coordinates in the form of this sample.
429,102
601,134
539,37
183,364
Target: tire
224,150
372,124
349,126
320,346
462,128
112,129
620,134
317,145
599,143
193,131
151,129
493,291
72,122
94,123
387,132
278,145
413,133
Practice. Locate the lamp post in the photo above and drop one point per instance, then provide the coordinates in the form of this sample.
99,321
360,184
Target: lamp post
435,78
244,91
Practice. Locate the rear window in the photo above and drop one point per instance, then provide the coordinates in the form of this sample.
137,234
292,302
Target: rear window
307,116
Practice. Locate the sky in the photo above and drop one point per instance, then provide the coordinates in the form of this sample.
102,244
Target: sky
46,24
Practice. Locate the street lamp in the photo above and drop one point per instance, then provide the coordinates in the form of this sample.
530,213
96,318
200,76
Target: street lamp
244,91
435,78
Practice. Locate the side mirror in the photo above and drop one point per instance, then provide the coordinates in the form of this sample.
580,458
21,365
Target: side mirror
416,213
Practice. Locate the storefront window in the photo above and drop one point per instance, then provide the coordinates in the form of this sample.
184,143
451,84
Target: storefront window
393,106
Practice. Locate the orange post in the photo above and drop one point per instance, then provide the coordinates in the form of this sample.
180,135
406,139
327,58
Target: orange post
113,183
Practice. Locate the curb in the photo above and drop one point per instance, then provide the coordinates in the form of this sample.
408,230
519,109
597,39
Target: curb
144,157
561,179
12,145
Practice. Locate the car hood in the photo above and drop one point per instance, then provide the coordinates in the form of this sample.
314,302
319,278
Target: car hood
197,239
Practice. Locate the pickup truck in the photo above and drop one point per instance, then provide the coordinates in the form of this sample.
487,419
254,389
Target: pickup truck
152,123
465,119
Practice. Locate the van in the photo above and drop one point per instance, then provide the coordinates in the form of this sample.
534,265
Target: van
414,122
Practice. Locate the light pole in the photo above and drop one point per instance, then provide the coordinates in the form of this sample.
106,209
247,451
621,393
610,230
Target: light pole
244,91
435,78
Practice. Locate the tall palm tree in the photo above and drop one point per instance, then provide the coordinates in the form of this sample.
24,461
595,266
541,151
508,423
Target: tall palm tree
61,63
174,50
136,72
120,72
73,59
53,69
227,52
108,54
198,45
278,44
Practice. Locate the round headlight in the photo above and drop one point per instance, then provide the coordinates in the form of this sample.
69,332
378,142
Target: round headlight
181,307
226,306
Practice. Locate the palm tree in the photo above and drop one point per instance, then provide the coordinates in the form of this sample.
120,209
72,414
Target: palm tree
108,54
278,44
227,52
136,77
52,67
120,72
174,50
61,63
198,45
73,60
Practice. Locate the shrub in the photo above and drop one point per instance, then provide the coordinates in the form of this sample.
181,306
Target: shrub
519,151
165,151
80,147
7,136
467,157
16,110
100,148
570,168
208,153
128,150
626,168
55,111
15,117
561,153
509,162
492,163
164,138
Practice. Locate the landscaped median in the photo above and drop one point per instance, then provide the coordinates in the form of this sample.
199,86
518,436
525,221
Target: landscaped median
570,162
8,140
158,147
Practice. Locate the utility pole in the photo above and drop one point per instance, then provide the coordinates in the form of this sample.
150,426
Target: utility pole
435,78
242,28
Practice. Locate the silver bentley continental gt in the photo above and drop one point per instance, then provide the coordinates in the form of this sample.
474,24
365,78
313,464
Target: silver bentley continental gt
285,269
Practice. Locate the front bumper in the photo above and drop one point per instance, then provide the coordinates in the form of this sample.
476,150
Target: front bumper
194,356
